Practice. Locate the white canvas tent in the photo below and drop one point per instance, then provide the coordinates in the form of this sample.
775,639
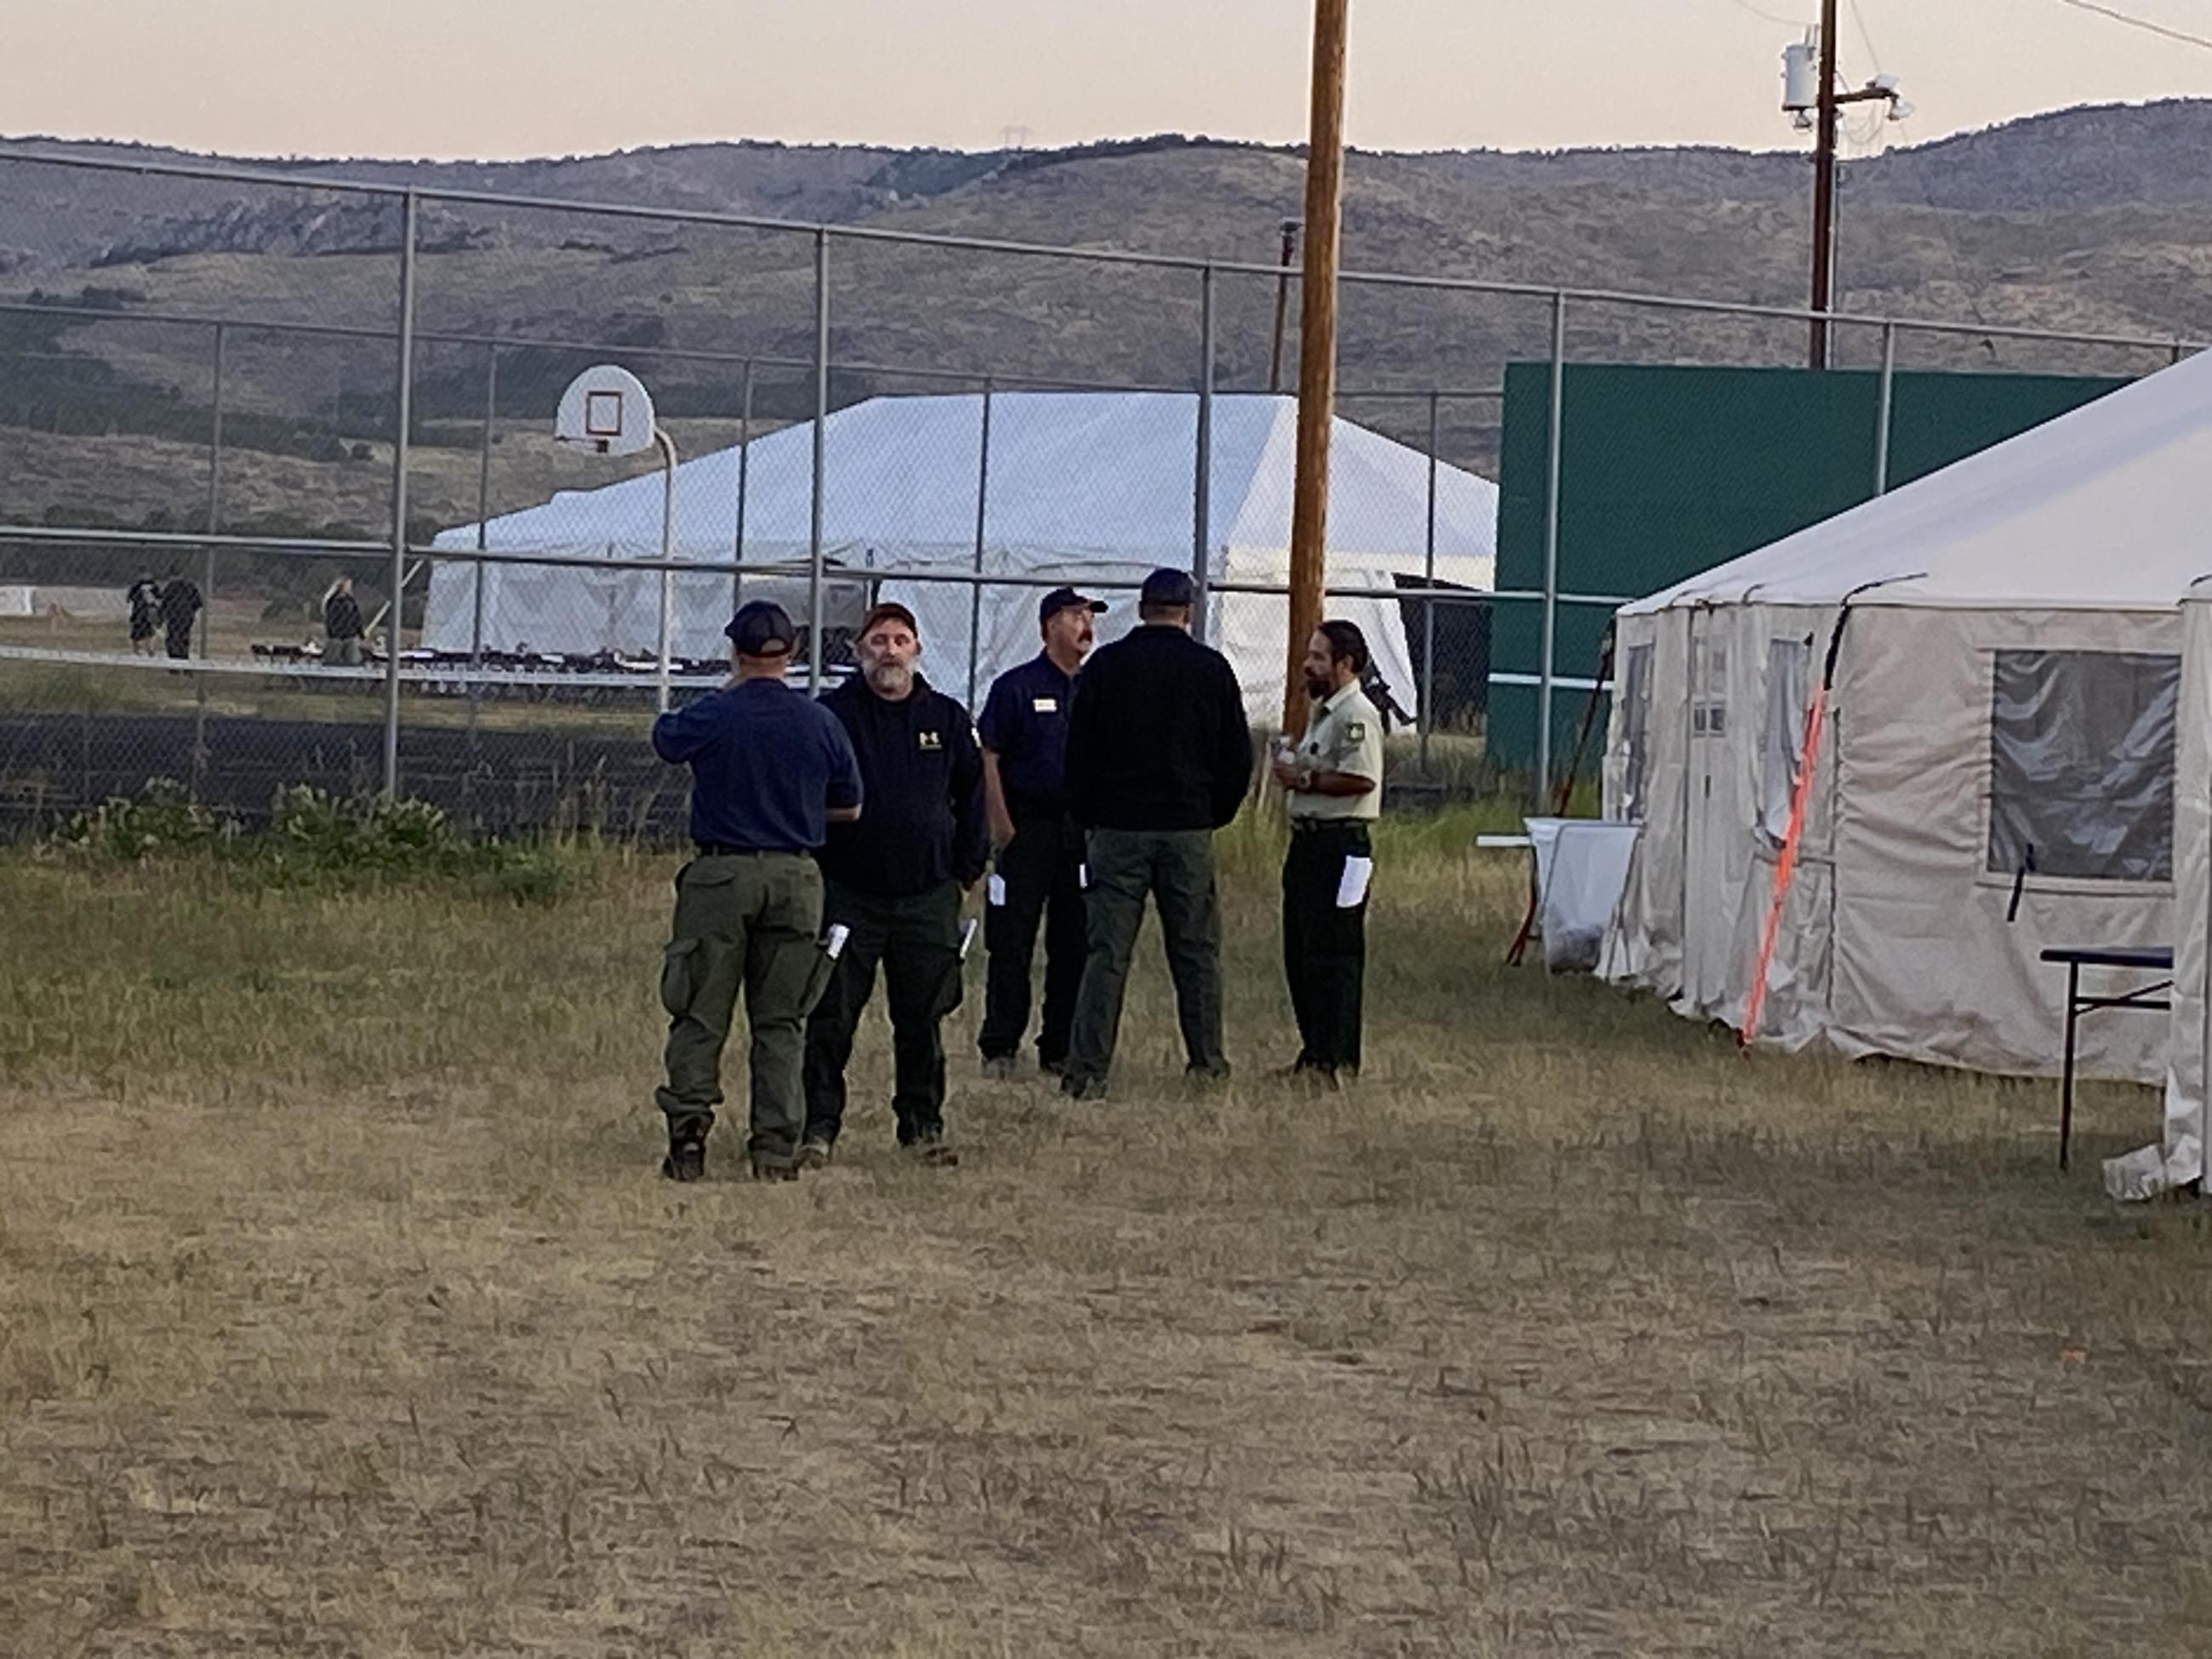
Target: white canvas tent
1094,488
2179,1157
1999,771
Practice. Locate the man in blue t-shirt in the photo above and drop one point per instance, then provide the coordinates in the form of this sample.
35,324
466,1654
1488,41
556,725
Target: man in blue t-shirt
771,769
1037,871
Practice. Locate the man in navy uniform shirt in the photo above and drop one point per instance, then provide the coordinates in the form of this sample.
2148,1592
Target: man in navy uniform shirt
770,770
894,882
1039,867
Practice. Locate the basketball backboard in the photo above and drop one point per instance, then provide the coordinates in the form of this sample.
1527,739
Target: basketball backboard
607,410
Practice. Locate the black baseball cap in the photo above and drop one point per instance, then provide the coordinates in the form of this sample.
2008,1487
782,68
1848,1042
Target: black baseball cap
1067,598
762,628
1173,589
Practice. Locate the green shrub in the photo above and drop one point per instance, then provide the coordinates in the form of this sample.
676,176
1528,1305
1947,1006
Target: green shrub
318,840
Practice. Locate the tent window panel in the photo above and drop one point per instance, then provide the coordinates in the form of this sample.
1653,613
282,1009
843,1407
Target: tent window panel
2082,764
1709,690
1782,733
1636,723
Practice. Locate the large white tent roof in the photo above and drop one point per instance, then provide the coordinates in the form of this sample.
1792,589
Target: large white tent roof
1074,476
2101,508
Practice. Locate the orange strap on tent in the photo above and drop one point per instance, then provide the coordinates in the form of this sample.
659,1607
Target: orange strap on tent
1785,861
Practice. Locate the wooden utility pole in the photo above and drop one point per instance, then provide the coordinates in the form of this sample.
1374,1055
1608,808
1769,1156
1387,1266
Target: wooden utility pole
1824,186
1316,348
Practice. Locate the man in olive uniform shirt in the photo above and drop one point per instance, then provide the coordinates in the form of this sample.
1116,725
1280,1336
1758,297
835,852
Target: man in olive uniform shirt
1159,756
1332,782
771,769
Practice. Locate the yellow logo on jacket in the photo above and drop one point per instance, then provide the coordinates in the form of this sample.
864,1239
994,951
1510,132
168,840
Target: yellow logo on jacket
930,740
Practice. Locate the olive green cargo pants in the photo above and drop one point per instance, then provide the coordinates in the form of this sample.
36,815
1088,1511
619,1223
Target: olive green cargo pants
1175,867
749,923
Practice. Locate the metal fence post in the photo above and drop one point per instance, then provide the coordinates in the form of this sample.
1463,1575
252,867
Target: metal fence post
821,422
483,521
207,568
745,465
975,589
1548,660
407,215
1427,717
1201,494
215,499
1883,402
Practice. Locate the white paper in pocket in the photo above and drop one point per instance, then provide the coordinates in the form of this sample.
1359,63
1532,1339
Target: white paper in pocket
833,945
994,891
1351,885
1083,876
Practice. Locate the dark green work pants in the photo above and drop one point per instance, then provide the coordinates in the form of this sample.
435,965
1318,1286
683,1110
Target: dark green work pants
1325,944
1175,868
747,922
917,941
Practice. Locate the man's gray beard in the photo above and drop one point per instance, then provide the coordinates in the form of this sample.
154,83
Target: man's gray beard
891,677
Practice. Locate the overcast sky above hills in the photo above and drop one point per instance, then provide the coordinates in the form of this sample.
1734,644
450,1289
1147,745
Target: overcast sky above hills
510,78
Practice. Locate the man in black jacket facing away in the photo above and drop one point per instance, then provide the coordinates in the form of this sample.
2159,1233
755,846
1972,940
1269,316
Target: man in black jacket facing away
1159,756
893,882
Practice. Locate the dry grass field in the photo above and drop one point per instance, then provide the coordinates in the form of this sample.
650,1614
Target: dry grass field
342,1313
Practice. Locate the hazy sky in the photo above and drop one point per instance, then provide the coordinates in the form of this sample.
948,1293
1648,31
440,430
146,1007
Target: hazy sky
495,78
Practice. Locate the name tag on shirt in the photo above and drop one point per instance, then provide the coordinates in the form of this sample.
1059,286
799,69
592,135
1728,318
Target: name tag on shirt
1044,705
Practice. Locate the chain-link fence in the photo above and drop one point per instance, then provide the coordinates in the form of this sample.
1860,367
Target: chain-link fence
299,516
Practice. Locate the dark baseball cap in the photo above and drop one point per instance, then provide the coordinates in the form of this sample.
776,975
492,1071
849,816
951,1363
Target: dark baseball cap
1067,598
1173,589
762,628
889,610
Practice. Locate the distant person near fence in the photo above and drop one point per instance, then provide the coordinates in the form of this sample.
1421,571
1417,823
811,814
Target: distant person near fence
342,626
181,605
145,601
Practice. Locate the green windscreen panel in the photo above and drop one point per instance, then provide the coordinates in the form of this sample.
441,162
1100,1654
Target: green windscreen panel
1664,472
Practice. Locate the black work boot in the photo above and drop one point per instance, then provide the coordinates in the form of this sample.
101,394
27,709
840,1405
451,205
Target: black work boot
687,1153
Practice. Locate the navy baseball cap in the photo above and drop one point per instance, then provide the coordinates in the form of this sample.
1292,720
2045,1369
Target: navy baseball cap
1170,589
762,628
1067,598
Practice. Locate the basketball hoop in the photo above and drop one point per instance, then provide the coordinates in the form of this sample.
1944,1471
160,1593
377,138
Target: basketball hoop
607,411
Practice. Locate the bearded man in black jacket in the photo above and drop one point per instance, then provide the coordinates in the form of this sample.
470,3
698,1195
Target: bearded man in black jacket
892,887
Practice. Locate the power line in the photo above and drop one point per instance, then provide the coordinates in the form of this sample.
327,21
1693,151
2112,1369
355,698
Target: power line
2134,23
1771,17
1859,17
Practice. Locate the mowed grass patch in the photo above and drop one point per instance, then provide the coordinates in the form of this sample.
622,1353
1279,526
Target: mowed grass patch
341,1312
